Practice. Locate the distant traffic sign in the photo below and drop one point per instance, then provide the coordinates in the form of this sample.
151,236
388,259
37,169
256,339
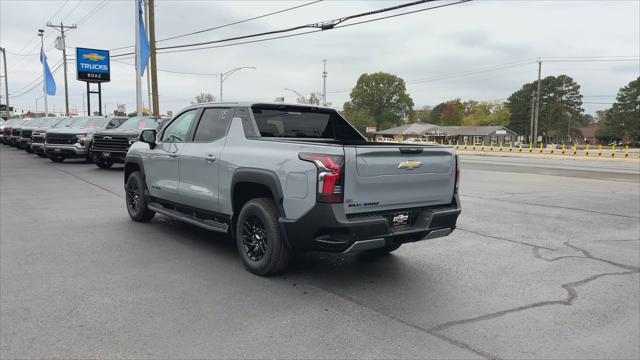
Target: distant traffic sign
93,65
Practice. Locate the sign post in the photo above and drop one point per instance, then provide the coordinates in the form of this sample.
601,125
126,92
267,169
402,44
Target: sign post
93,66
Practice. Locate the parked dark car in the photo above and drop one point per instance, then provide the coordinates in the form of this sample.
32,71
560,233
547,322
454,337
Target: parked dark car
14,135
111,146
6,127
39,134
27,131
75,141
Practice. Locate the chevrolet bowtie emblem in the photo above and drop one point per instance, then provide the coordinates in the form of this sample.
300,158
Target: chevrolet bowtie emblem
93,57
410,165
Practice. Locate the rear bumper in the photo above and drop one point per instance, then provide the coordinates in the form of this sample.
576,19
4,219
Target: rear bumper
327,228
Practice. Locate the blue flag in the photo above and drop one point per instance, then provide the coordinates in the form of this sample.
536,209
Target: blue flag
49,81
145,49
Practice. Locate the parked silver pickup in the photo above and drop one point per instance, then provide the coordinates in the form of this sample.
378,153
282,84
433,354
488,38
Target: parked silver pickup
284,178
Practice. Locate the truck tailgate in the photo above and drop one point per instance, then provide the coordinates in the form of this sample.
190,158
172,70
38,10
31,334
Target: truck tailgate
380,178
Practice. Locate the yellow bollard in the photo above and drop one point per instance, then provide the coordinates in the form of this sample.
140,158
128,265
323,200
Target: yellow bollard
465,144
491,146
540,148
613,150
563,148
520,150
600,150
586,150
575,149
530,147
482,146
449,142
553,146
510,147
457,144
626,151
500,146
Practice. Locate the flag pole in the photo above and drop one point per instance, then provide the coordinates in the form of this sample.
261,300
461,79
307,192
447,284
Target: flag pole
139,109
44,72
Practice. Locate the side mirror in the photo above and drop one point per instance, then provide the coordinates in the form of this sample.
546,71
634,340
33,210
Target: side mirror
148,136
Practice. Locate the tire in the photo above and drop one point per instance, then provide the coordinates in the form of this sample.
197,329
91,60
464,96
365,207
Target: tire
28,149
389,248
19,146
103,164
258,238
57,159
42,155
136,198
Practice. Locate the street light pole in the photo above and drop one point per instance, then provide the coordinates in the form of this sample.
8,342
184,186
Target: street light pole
299,95
535,125
225,76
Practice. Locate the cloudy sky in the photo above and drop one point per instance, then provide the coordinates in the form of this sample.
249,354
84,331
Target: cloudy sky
484,49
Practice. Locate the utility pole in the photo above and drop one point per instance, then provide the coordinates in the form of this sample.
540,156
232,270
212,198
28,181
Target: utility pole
535,126
6,79
146,6
44,72
154,65
324,83
138,62
63,46
533,104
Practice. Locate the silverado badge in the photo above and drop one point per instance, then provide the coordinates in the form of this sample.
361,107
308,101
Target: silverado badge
410,165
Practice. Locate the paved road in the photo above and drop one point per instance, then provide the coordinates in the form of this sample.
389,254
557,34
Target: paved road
544,264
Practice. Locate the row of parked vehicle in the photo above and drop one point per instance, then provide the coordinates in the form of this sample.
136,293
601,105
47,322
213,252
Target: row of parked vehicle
101,140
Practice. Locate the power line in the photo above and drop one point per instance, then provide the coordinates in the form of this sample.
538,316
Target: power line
171,71
320,26
57,11
227,25
72,10
36,85
93,12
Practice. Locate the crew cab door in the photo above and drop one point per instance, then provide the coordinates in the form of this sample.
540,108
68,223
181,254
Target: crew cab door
200,160
161,165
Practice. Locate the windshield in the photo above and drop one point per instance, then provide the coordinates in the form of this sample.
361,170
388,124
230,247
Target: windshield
65,123
139,123
90,122
53,121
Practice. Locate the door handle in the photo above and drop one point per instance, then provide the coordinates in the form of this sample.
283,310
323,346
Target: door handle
210,158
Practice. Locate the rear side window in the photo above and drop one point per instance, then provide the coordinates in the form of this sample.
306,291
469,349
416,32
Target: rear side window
288,123
303,122
213,124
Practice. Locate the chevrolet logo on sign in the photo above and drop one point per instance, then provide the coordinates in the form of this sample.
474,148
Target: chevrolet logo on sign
410,165
93,57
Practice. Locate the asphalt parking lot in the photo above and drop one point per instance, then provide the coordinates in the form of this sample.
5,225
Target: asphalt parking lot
545,264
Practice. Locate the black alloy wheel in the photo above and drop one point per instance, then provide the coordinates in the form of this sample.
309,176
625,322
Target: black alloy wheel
254,238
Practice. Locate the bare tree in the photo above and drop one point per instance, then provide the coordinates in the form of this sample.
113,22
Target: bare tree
203,98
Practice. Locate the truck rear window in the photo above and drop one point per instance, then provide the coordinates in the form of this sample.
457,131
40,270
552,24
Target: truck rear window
302,122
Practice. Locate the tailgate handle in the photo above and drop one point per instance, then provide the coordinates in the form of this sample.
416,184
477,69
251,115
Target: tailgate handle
411,150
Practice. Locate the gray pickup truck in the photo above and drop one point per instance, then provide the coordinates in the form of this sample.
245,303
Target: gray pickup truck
285,178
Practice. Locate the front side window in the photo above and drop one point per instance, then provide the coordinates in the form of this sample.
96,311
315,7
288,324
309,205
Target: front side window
213,124
178,129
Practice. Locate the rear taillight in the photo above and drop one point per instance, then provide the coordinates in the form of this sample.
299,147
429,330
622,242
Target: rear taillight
330,176
457,174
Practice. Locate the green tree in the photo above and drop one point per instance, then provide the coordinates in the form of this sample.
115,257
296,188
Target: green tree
560,107
622,121
453,113
360,119
423,115
436,114
381,96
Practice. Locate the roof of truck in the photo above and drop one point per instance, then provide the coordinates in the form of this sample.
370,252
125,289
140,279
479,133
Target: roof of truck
251,103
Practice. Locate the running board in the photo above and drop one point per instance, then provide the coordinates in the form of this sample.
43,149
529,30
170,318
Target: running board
205,224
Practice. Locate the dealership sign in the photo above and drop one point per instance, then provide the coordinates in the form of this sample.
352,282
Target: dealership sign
93,65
